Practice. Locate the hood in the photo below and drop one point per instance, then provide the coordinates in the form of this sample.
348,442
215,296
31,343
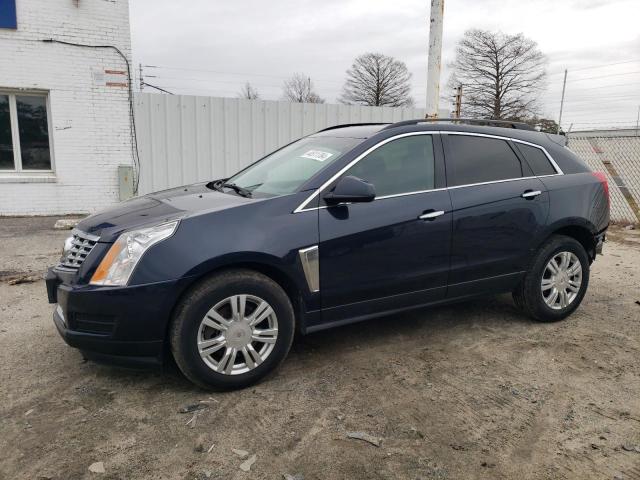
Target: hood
158,207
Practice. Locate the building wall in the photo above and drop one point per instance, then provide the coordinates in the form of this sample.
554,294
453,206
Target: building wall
89,121
185,139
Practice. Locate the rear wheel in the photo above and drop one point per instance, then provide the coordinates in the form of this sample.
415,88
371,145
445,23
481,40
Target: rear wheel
232,330
556,282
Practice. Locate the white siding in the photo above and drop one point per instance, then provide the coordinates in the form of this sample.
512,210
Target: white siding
186,139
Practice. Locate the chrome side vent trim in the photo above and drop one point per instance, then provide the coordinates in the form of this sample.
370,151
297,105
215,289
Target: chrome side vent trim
310,259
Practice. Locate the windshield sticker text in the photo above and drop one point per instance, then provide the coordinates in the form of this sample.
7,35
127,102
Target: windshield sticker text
317,155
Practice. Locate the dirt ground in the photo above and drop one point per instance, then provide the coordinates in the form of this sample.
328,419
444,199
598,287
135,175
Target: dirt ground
474,390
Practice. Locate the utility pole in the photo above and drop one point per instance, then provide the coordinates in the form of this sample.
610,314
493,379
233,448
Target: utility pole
564,85
435,57
638,120
141,78
566,138
458,109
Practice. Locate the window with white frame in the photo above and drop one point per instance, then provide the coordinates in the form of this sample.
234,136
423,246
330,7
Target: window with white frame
24,133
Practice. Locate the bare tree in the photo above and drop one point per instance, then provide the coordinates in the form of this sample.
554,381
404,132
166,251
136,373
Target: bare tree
249,92
379,80
299,88
545,125
501,75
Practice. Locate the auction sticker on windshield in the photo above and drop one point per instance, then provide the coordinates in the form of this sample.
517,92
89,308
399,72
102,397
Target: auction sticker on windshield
318,155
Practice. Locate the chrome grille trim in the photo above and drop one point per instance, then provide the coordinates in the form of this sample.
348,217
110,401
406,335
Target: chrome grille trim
81,246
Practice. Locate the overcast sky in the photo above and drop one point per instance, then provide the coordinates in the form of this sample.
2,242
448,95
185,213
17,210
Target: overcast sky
212,47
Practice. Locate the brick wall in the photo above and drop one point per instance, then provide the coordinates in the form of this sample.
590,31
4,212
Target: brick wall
89,121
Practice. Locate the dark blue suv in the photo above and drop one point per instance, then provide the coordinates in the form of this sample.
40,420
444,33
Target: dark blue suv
350,223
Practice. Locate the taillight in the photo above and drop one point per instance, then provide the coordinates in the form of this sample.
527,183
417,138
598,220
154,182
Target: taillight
605,183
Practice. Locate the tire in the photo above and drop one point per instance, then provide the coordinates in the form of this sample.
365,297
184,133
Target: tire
205,321
532,297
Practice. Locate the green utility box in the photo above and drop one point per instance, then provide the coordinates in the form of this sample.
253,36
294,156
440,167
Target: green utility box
125,182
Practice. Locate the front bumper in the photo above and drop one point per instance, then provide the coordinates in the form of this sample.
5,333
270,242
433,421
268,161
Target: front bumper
123,325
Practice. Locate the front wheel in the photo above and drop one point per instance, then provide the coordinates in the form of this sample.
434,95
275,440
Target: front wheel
231,330
556,282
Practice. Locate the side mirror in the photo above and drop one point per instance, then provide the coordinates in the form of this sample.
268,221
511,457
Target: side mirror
350,189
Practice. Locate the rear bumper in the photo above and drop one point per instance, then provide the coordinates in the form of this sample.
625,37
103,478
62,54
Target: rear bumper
121,325
599,240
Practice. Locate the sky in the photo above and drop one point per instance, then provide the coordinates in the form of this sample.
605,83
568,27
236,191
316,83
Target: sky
205,47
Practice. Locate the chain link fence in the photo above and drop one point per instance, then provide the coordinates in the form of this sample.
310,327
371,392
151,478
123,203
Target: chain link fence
618,156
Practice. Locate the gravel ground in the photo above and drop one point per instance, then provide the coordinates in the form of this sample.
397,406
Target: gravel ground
474,390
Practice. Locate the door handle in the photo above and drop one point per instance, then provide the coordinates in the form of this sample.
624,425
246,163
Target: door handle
529,194
431,215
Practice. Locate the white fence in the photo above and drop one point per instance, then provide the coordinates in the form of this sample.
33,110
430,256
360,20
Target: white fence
185,139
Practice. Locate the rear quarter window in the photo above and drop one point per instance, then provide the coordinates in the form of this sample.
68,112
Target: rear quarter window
536,159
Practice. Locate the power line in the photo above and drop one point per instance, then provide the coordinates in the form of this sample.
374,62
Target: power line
603,76
181,87
619,104
218,91
145,84
632,84
282,77
605,122
191,79
591,67
237,82
596,113
591,99
317,80
416,94
600,123
616,111
600,110
589,118
606,96
246,74
600,106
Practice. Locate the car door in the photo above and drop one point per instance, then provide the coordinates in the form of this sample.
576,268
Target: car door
393,252
498,208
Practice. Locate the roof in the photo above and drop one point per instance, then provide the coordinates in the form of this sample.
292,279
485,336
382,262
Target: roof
367,130
487,122
356,130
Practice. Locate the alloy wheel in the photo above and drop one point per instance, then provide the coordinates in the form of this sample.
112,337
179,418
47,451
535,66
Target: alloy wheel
561,280
237,334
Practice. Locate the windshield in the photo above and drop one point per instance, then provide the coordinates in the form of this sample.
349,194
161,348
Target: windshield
285,170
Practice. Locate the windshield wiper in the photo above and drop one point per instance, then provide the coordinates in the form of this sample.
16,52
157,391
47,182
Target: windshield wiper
220,184
239,190
215,184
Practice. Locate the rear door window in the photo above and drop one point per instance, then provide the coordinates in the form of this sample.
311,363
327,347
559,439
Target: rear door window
536,159
472,159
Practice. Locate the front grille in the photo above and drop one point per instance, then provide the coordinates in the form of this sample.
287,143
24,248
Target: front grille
81,245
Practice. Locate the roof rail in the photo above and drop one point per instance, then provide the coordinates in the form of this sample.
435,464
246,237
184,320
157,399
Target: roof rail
470,121
352,125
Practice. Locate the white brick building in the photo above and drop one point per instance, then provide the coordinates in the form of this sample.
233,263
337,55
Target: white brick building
64,122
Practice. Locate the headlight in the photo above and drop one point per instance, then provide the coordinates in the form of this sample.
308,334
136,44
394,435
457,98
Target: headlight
123,256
